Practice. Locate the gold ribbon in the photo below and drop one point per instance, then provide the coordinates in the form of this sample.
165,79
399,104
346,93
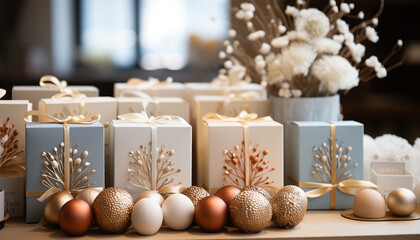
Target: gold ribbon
2,92
351,187
146,97
244,96
151,82
243,118
78,119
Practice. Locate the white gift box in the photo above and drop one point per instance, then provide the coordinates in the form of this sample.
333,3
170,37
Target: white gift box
229,106
156,106
105,106
174,89
221,136
389,176
35,93
174,134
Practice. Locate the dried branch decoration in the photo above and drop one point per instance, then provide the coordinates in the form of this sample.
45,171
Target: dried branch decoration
53,175
323,157
9,145
301,51
140,169
235,166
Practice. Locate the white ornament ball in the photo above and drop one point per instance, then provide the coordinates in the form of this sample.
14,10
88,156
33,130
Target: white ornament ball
147,216
178,211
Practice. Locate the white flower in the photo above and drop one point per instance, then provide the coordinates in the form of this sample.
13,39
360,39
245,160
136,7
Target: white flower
244,15
282,29
369,151
232,33
357,51
339,38
236,73
296,93
361,15
399,43
249,25
326,45
342,26
265,48
344,7
228,64
335,9
296,35
393,148
260,64
372,62
351,5
280,42
247,7
229,49
300,2
349,37
333,3
256,35
222,55
292,11
381,72
285,93
335,73
371,34
375,21
312,22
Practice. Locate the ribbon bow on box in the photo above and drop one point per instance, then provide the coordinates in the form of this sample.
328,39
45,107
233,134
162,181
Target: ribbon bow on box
151,83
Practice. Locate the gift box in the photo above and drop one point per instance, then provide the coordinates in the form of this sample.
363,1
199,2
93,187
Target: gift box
155,106
231,106
150,153
44,140
226,161
63,107
389,176
12,160
152,87
326,160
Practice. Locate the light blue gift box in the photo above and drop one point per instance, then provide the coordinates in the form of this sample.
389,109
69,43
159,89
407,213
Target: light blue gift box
43,137
304,137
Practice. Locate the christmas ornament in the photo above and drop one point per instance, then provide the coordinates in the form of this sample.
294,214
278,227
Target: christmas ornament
211,213
289,206
151,194
227,193
195,194
178,211
147,216
401,202
250,211
112,208
53,206
259,190
75,217
88,195
369,203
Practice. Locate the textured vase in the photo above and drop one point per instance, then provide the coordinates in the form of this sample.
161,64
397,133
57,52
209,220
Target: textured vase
286,110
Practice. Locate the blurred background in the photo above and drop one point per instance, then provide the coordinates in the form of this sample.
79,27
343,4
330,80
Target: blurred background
99,42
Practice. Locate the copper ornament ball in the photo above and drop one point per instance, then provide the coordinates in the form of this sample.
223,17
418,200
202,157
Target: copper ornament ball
53,206
75,217
227,193
211,214
401,202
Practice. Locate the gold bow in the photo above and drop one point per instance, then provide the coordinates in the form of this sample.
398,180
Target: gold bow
148,99
243,118
49,81
78,119
244,96
146,119
2,92
152,83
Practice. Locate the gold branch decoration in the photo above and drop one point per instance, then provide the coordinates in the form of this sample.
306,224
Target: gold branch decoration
9,146
140,170
53,175
234,166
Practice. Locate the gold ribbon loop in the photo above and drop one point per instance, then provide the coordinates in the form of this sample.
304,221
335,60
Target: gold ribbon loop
49,81
150,82
66,93
2,92
144,118
77,119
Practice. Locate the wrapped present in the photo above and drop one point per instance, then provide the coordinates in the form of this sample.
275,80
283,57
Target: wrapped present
65,155
326,159
229,105
49,86
389,176
152,87
135,102
12,155
242,151
151,153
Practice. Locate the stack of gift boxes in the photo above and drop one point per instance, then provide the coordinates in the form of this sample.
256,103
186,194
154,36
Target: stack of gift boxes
175,134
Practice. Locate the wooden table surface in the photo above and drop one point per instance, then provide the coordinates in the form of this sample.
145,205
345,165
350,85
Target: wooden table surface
315,225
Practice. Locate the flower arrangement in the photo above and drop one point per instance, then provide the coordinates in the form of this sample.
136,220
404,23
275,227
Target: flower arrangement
302,51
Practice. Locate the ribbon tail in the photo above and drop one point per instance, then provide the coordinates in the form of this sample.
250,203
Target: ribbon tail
49,193
353,187
169,190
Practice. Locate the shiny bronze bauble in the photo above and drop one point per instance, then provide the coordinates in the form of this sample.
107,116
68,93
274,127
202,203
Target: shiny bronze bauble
401,202
227,193
53,206
211,214
75,217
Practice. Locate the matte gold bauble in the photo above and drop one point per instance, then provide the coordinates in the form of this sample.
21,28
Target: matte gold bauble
401,202
250,211
258,189
112,208
227,193
289,206
53,206
88,195
195,194
75,217
211,214
153,195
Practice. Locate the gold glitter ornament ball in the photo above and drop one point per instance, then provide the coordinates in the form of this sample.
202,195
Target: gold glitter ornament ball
53,206
258,189
195,194
289,206
112,208
250,211
401,202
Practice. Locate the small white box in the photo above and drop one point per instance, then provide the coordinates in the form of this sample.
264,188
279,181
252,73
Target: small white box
174,89
389,176
220,136
35,93
157,106
126,137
